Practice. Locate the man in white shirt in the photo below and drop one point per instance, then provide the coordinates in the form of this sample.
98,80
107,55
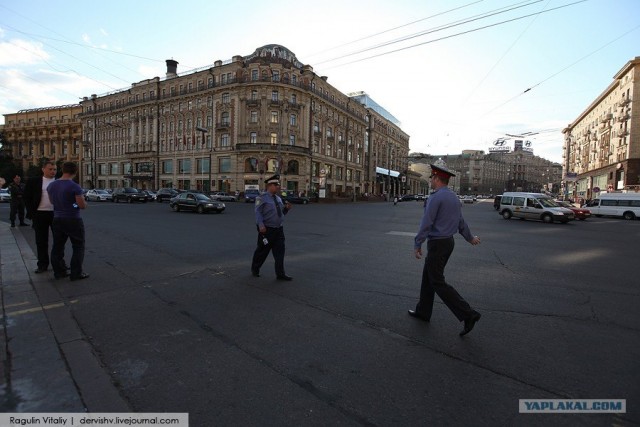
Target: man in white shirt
40,211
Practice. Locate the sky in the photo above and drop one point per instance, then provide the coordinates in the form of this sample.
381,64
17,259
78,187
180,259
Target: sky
457,74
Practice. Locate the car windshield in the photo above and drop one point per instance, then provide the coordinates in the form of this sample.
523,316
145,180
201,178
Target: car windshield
548,203
202,197
102,192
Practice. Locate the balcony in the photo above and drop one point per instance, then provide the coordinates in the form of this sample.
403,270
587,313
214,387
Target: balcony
253,102
223,125
273,148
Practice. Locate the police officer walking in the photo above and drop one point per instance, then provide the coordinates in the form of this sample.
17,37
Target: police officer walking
270,212
441,221
16,189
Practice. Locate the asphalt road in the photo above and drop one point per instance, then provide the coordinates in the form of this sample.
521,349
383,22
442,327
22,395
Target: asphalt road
176,318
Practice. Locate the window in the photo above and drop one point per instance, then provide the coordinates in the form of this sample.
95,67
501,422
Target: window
225,118
349,175
316,127
338,173
273,138
293,120
272,165
114,169
225,164
226,98
328,150
254,95
184,166
224,140
202,165
518,201
274,96
294,100
254,76
253,137
253,117
275,76
292,140
274,117
251,165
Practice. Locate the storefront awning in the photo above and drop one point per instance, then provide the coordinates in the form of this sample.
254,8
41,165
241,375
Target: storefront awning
383,171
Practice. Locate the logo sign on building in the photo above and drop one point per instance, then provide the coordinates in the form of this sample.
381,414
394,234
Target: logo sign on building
527,146
500,146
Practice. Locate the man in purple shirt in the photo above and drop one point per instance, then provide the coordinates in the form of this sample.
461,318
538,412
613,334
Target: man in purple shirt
67,199
441,221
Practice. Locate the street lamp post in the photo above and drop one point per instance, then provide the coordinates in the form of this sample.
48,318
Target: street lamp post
204,130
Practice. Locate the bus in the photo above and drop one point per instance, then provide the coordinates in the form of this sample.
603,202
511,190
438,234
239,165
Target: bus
625,205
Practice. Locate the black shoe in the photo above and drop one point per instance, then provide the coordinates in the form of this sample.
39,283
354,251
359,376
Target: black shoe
59,276
13,224
80,277
285,277
415,314
40,270
255,273
470,323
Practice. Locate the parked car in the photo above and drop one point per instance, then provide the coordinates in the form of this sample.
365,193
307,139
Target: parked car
292,197
223,197
149,195
4,195
98,196
250,195
496,202
129,195
580,213
198,202
467,199
165,194
533,206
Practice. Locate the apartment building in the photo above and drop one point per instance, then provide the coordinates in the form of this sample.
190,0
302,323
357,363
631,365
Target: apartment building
602,145
53,133
229,126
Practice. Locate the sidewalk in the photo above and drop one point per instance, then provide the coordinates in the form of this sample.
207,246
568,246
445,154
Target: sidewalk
47,363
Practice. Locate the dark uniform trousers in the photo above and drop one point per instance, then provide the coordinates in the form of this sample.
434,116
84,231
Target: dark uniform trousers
63,229
438,253
275,237
42,221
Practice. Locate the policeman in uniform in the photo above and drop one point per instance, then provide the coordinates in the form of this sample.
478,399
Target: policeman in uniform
270,212
16,190
441,221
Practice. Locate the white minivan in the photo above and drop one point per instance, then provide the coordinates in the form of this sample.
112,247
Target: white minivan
626,205
533,206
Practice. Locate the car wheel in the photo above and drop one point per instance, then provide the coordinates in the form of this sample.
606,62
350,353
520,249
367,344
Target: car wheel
547,219
159,199
506,214
129,200
629,215
175,208
200,209
599,216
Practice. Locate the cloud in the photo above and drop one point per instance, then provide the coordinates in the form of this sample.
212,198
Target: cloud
21,52
104,32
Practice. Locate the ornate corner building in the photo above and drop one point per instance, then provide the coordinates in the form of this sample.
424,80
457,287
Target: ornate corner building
229,126
53,133
602,146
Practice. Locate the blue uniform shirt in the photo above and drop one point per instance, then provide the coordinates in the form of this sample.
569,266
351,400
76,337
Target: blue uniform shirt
266,211
442,218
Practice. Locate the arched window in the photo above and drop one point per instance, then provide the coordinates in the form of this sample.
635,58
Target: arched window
272,165
293,167
251,165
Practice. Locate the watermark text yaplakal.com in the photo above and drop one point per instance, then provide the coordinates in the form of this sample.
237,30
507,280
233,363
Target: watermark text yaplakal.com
94,419
565,406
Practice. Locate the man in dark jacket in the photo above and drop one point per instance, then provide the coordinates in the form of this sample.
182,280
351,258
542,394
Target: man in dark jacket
40,211
16,189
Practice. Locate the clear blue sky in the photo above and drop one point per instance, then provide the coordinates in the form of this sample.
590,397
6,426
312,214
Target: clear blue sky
460,92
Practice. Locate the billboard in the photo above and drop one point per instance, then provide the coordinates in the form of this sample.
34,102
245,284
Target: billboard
500,146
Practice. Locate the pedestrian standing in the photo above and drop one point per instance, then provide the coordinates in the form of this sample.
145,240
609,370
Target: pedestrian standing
40,211
16,190
442,219
270,212
67,198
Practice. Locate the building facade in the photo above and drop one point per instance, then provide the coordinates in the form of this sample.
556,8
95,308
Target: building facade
602,145
53,133
229,126
511,170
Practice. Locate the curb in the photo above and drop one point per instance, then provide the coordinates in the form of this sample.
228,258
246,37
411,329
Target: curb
47,364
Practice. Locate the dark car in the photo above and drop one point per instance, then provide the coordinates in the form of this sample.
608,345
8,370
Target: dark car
165,194
408,198
149,195
129,195
496,202
198,202
291,197
580,213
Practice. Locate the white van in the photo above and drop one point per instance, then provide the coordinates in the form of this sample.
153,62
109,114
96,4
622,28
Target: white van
533,206
626,205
